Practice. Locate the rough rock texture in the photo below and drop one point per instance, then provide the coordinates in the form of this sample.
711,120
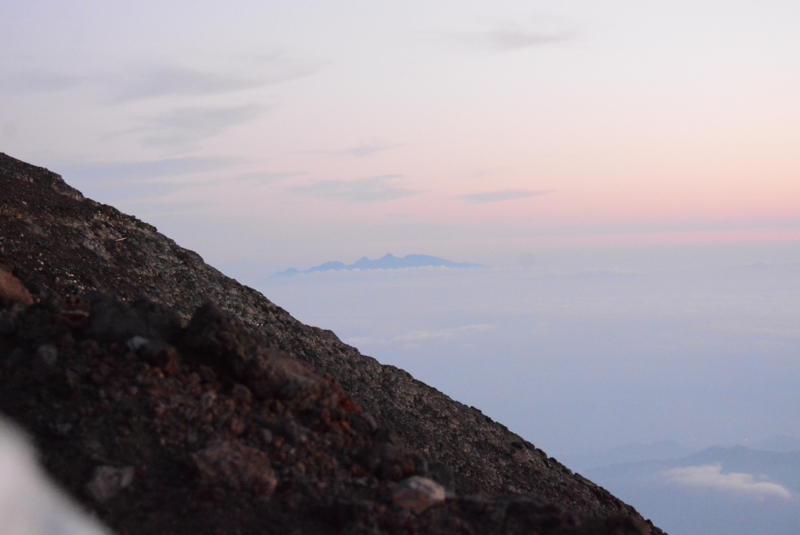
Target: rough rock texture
59,243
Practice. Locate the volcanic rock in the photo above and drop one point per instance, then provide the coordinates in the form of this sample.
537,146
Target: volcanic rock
233,416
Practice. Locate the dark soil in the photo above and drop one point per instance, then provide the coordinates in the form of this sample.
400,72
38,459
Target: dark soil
171,399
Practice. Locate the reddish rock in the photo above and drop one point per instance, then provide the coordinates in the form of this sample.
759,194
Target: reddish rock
237,466
13,291
213,338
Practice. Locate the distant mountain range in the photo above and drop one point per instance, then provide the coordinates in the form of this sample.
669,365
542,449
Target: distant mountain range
628,453
664,450
387,262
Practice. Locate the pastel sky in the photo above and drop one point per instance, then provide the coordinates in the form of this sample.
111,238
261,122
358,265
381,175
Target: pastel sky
289,133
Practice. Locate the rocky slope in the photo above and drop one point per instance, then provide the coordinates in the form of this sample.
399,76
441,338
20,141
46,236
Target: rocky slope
65,249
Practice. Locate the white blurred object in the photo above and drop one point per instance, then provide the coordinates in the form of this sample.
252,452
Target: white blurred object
30,504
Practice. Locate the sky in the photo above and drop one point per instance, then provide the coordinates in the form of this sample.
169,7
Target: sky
629,170
473,130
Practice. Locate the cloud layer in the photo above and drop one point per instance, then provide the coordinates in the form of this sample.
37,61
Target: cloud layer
507,38
711,476
422,336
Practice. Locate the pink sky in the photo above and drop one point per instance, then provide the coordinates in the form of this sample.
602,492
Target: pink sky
613,121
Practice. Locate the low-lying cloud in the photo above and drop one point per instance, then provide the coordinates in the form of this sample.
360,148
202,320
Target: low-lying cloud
711,476
500,196
422,336
363,190
607,273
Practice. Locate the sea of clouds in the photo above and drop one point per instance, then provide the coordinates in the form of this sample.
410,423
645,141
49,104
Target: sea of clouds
584,359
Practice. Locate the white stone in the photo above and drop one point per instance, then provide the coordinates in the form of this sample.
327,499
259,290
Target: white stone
418,493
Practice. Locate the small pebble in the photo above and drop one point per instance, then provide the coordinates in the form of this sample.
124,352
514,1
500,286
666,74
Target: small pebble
47,354
137,342
109,481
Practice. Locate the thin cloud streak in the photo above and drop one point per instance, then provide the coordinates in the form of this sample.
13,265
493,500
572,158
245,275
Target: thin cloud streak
362,150
266,177
365,150
363,190
510,38
181,81
170,81
37,82
132,83
183,125
503,195
135,171
711,476
147,181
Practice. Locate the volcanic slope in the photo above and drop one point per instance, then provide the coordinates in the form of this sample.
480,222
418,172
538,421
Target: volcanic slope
58,241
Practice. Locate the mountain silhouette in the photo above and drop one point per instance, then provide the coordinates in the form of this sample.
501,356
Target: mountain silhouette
388,261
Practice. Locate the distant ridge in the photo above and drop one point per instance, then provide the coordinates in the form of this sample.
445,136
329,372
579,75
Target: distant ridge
387,262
